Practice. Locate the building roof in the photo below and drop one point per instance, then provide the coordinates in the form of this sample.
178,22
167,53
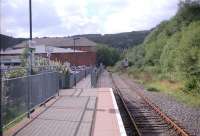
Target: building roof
10,59
58,42
40,49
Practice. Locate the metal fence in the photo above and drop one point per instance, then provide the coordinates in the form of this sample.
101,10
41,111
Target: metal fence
21,95
95,76
35,70
69,80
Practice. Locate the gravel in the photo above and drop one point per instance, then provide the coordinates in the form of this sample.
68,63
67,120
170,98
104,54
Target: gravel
187,117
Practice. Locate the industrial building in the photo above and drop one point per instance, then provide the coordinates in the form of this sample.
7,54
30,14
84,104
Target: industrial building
62,49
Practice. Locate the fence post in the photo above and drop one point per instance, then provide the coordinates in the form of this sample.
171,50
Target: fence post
58,80
1,119
45,88
28,95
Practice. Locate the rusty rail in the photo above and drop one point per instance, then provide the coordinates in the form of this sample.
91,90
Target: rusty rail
125,106
169,121
180,131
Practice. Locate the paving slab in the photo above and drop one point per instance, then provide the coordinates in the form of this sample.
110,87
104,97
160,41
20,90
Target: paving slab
66,92
79,112
69,115
85,83
108,121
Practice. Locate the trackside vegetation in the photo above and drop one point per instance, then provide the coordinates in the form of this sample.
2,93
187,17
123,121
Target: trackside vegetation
170,54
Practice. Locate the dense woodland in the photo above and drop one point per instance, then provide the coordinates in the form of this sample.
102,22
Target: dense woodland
7,41
172,50
120,40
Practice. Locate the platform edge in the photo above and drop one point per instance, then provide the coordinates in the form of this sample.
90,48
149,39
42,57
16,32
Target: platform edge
118,116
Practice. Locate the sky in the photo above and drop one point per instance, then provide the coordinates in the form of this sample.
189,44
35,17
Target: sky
72,17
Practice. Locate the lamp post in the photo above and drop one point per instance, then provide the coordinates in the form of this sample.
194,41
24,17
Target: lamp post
75,55
30,59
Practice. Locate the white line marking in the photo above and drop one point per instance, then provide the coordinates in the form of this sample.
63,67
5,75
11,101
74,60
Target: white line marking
119,119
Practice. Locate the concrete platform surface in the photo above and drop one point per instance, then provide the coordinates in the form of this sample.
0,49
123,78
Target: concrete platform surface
83,111
68,116
108,121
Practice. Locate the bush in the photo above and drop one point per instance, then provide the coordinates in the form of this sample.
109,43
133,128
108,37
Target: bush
16,73
192,85
153,89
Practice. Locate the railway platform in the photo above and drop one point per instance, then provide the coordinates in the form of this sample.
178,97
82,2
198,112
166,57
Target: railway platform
81,111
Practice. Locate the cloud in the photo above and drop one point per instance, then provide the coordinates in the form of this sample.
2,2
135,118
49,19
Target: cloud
67,17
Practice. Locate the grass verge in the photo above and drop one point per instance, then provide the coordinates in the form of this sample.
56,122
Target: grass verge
16,121
173,88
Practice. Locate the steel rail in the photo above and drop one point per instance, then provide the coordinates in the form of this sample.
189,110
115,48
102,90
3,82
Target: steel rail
180,131
169,121
126,108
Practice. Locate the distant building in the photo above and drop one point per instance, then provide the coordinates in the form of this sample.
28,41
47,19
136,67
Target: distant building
63,49
82,43
9,60
64,55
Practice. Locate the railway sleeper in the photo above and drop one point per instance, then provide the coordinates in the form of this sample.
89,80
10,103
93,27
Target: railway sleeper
149,131
151,123
153,126
148,120
155,134
145,116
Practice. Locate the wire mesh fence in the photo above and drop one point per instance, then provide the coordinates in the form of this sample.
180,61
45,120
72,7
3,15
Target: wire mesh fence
23,71
95,76
22,94
69,80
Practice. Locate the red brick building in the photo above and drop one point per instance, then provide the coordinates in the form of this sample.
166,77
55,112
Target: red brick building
85,49
79,58
82,43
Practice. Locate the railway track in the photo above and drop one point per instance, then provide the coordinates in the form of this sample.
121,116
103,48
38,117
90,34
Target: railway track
144,117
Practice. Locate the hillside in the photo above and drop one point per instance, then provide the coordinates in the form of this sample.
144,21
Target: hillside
172,50
7,41
119,40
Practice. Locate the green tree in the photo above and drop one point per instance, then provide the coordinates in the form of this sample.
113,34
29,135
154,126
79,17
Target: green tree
107,55
188,56
24,57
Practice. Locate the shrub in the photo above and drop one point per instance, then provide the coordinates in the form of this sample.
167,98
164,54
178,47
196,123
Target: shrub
16,73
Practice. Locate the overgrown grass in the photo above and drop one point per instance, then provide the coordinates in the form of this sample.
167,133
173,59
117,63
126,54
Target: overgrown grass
19,119
154,83
175,90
